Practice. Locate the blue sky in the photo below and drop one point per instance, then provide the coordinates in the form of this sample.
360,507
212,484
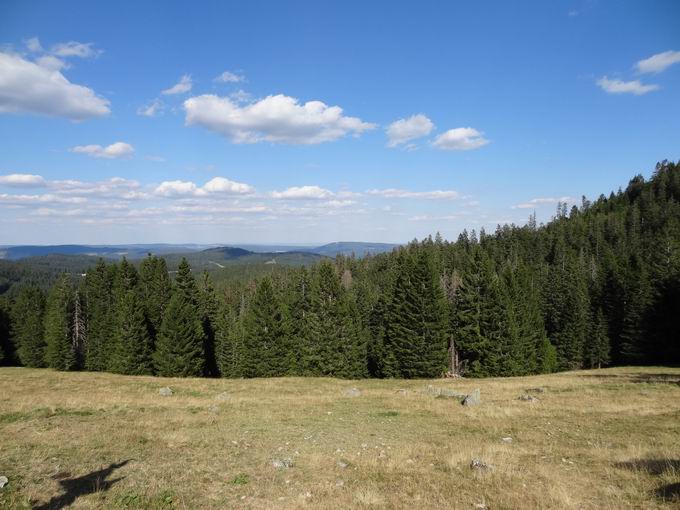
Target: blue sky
311,122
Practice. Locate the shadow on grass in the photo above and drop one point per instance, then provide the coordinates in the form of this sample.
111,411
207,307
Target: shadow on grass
668,492
82,486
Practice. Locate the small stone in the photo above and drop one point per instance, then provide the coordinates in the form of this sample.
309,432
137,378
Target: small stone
382,454
479,465
352,392
282,463
165,392
409,461
528,398
507,440
473,399
3,481
481,506
214,409
402,392
364,445
339,483
223,397
342,464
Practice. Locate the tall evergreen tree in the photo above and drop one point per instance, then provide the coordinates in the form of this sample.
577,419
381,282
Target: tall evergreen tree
98,289
179,346
155,290
59,352
27,317
133,354
208,308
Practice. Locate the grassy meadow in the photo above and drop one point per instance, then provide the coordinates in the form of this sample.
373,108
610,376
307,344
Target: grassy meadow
602,439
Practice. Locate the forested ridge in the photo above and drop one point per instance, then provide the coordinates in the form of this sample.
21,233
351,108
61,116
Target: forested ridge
597,285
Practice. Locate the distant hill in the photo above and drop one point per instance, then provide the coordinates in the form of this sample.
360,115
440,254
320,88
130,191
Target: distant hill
348,248
138,251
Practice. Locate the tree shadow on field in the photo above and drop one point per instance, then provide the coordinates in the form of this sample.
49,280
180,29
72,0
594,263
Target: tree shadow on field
82,486
667,492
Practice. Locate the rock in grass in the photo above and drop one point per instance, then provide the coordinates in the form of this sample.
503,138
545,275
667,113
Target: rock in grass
473,399
507,440
3,481
528,398
282,463
480,465
214,409
165,392
451,394
352,392
223,397
342,464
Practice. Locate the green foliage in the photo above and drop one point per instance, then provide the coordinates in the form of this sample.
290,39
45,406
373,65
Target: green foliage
179,346
98,290
59,352
133,348
27,316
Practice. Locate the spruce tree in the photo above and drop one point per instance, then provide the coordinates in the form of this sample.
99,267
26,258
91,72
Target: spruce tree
179,346
27,327
229,343
59,351
133,354
208,309
597,347
98,289
265,350
155,290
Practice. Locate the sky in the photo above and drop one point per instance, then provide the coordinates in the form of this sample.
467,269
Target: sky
312,122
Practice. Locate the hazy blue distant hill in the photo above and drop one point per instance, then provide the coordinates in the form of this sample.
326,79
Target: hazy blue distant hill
348,248
131,251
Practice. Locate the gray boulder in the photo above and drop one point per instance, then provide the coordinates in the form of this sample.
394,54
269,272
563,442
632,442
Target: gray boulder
165,392
473,399
282,463
480,465
528,398
223,397
3,481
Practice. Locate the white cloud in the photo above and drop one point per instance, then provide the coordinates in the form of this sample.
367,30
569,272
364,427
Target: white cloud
625,87
33,45
222,185
303,192
427,195
152,109
537,202
38,199
659,62
75,49
51,62
114,151
279,119
184,85
405,130
26,87
460,139
215,186
22,180
229,77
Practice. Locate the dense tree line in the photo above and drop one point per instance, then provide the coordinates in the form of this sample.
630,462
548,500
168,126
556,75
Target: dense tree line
597,285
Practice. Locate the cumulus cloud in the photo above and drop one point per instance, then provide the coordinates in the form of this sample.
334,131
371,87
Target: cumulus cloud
659,62
116,150
26,87
151,109
625,87
75,49
51,62
279,119
229,77
460,139
22,180
405,130
215,186
40,199
302,192
182,86
427,195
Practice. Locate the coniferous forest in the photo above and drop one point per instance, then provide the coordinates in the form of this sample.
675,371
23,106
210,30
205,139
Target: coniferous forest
598,285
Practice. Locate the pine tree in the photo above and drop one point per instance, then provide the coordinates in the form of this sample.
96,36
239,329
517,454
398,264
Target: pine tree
598,348
265,350
229,343
185,284
27,327
6,347
59,352
179,346
98,289
155,290
78,329
208,311
133,354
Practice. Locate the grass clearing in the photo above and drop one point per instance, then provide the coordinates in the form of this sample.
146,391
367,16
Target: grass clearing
602,439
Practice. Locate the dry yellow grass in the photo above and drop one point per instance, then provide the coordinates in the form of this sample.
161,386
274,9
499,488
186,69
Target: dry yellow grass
604,439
